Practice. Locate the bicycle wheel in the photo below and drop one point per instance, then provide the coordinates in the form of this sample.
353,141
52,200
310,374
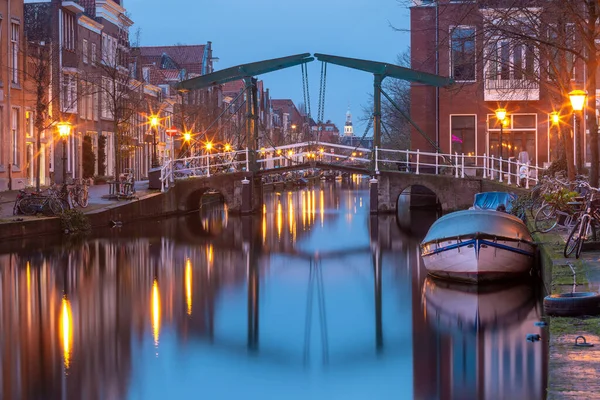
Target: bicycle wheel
55,206
582,235
573,239
83,198
28,205
545,219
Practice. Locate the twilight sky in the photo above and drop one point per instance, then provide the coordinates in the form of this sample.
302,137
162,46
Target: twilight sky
243,31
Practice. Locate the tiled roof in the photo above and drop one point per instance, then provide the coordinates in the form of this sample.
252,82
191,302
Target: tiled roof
233,86
186,56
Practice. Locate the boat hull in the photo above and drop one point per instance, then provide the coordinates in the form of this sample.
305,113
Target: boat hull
478,260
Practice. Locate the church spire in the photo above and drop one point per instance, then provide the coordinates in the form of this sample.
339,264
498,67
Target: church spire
348,128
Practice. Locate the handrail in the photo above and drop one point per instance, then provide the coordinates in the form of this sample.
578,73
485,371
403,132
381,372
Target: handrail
459,165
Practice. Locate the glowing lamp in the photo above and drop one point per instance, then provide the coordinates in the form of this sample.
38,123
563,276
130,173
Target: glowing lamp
577,99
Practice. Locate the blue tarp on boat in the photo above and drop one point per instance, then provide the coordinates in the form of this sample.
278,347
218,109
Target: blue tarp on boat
491,200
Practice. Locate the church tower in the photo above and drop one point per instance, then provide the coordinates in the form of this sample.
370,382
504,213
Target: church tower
348,128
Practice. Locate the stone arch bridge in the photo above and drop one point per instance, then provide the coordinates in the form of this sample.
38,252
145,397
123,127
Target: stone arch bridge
243,191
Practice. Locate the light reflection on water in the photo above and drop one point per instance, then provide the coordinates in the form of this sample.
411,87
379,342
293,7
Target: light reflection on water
311,298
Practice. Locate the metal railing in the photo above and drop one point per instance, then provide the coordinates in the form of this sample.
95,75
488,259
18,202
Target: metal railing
415,161
508,170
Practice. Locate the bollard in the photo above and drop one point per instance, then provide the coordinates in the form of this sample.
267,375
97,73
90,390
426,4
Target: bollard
437,163
373,196
376,159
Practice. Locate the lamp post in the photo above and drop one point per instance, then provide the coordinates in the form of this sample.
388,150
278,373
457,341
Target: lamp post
64,129
500,116
154,125
577,98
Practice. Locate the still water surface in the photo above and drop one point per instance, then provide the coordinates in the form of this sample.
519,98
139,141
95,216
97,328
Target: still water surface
314,298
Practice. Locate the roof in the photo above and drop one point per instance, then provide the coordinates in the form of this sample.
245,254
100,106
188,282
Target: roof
233,86
188,57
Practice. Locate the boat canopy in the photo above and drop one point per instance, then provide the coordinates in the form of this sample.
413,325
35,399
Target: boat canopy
491,200
467,223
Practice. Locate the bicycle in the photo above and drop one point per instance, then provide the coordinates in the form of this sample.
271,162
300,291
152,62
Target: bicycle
585,225
35,203
558,211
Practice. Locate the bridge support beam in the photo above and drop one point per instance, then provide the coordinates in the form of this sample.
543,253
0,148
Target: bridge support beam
373,196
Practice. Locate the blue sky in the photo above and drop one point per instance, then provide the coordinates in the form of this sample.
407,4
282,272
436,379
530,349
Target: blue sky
245,31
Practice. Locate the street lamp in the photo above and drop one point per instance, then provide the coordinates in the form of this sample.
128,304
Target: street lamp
187,136
577,98
64,129
154,125
500,116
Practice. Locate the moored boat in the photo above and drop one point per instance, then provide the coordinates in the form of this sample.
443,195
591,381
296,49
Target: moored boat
478,246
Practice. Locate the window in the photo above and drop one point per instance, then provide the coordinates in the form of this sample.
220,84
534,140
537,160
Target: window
14,49
85,51
29,124
68,93
462,53
94,54
14,128
109,50
68,31
462,138
106,106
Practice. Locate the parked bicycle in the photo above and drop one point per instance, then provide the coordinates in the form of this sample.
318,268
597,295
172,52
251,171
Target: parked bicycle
36,203
586,224
561,208
78,194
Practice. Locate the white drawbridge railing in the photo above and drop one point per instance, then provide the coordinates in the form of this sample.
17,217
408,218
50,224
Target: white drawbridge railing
508,170
415,161
204,165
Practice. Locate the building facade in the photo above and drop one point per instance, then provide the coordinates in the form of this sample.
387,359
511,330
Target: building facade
491,70
17,145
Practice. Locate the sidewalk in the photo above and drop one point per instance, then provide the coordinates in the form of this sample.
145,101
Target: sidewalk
96,201
572,371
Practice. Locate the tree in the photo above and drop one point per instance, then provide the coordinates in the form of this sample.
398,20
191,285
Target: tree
395,126
553,37
39,73
121,96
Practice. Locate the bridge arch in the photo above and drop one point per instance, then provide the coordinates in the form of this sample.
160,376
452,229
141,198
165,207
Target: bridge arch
188,192
451,192
417,195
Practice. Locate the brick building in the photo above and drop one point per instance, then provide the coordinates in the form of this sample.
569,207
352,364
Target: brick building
17,145
454,39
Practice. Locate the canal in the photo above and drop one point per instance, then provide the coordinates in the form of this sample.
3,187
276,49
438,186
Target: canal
313,298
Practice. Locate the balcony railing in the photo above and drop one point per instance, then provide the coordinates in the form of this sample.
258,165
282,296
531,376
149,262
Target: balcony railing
495,82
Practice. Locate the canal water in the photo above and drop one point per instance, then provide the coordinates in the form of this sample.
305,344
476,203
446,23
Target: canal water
313,298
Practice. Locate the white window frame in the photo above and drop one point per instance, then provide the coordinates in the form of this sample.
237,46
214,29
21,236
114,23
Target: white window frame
14,49
15,114
476,137
93,55
68,93
84,46
452,29
68,34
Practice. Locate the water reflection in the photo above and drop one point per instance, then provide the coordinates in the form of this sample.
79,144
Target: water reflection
313,297
484,339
